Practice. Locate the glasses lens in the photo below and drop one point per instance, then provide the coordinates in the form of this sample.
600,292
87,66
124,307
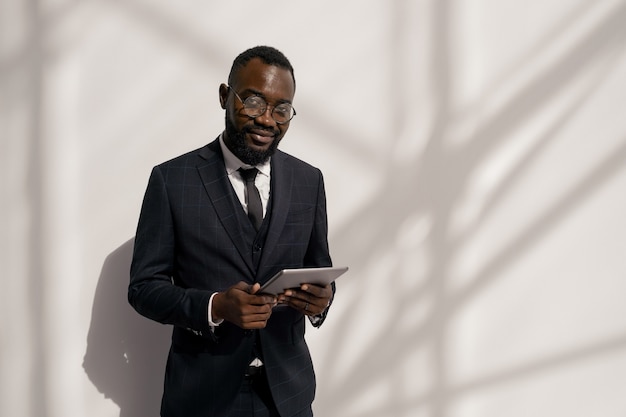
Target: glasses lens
282,113
254,106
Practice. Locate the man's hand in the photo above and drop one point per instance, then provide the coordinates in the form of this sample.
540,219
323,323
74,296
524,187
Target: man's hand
241,306
309,299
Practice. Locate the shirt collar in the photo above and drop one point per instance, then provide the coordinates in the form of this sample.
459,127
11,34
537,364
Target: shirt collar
233,163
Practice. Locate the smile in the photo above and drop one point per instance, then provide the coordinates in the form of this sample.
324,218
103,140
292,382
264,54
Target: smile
261,137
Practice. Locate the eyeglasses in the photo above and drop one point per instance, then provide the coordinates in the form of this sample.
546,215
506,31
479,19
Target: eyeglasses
254,106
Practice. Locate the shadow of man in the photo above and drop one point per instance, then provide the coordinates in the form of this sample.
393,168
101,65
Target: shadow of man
126,353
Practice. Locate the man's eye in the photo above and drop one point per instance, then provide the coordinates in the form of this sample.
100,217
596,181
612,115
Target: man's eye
283,110
256,102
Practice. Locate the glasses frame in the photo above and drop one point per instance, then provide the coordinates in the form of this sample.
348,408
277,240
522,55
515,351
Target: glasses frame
267,105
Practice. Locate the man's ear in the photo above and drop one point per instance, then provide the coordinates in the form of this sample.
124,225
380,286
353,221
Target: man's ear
223,95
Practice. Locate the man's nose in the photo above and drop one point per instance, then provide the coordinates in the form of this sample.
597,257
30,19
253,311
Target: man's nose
266,118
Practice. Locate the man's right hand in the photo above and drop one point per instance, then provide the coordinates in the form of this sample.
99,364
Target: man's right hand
241,306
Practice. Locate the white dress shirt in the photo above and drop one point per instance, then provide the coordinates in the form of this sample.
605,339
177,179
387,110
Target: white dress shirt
262,182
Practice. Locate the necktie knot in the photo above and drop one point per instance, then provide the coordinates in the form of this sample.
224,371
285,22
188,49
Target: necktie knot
248,175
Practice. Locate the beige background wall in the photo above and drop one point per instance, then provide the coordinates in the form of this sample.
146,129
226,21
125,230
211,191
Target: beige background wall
475,159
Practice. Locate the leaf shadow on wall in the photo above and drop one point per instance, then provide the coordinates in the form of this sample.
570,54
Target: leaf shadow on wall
126,353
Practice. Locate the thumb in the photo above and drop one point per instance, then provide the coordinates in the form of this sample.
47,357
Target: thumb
242,286
252,289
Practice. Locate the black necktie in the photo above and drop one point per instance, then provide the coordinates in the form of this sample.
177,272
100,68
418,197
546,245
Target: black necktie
255,208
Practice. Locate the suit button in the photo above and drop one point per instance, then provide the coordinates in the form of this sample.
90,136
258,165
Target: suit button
256,248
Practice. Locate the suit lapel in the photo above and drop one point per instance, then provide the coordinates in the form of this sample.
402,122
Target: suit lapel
217,185
281,196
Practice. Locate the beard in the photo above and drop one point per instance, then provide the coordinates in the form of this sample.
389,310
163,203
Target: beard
236,141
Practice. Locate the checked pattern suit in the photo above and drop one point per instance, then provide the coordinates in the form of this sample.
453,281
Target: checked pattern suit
193,238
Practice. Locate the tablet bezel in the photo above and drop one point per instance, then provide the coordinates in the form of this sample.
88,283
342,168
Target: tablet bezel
293,278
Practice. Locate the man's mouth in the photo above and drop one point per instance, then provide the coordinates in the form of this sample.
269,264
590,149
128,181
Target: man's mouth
260,137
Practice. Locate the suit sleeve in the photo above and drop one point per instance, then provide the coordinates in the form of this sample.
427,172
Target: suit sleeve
318,253
151,291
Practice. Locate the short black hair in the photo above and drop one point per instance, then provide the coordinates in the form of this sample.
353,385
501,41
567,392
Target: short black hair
267,54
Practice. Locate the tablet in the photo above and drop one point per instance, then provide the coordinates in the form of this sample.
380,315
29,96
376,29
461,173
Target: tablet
293,278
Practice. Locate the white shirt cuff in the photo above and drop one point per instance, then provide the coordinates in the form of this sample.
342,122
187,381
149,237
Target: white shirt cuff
212,323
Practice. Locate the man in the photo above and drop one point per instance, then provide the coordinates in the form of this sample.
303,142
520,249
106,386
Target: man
205,244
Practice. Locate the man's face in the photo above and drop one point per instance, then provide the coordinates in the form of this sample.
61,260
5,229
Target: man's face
254,140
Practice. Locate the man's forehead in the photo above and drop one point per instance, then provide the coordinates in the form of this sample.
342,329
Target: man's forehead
258,74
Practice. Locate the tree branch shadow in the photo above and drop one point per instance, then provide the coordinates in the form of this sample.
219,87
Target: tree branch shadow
441,178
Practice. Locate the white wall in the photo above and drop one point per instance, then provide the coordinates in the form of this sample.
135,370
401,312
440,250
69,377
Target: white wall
475,159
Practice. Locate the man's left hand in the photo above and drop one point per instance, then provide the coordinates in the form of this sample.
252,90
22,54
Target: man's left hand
309,299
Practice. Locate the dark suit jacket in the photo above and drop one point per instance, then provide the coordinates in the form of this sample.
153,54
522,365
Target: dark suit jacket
193,239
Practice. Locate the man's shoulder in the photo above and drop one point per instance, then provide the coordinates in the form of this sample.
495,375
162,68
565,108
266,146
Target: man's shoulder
291,161
191,158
